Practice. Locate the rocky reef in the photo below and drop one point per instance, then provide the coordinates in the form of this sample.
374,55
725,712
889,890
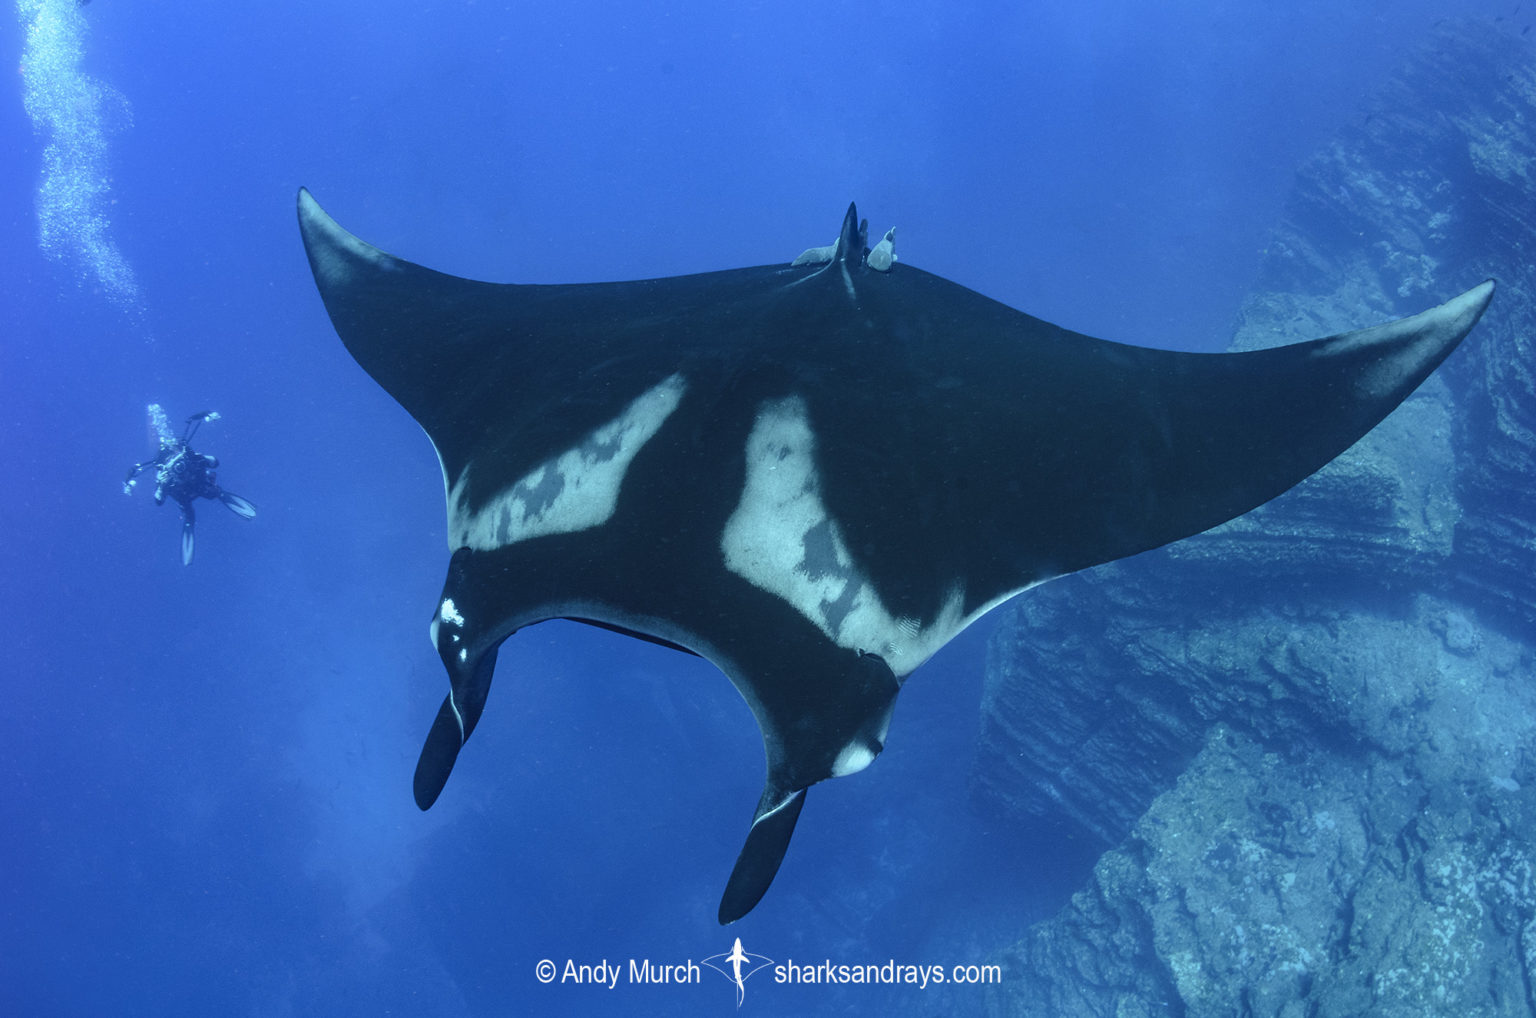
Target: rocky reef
1305,740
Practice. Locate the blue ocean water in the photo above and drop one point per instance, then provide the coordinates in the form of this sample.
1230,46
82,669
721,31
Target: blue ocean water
207,769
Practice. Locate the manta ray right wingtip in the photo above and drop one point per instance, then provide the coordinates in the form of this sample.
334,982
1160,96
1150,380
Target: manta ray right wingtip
1459,314
1479,296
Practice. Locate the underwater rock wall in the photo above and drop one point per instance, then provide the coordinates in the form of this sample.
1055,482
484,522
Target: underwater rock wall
1306,738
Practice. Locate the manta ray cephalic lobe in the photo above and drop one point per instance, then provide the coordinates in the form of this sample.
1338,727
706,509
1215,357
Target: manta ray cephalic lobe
814,474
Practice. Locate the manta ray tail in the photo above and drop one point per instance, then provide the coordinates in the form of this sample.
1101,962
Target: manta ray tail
853,239
851,246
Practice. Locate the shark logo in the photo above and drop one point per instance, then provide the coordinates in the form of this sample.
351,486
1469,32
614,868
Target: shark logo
738,966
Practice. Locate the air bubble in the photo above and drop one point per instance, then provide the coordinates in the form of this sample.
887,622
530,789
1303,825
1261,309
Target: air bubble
75,113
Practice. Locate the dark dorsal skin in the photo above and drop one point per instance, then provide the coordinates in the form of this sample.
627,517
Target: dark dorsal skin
814,475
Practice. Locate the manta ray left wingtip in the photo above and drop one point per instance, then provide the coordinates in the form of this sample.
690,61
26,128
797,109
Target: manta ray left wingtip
313,220
335,255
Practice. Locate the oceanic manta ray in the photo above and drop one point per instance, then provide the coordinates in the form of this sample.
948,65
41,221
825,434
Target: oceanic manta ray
814,474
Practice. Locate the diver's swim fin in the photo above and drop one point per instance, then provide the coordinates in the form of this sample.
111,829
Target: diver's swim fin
237,505
186,540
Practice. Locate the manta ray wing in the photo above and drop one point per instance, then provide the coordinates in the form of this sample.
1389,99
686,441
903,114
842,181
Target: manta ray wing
814,475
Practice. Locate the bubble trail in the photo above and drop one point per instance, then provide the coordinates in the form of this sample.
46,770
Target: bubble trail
75,113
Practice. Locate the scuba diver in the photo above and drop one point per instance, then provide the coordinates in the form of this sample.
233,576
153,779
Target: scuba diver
184,475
